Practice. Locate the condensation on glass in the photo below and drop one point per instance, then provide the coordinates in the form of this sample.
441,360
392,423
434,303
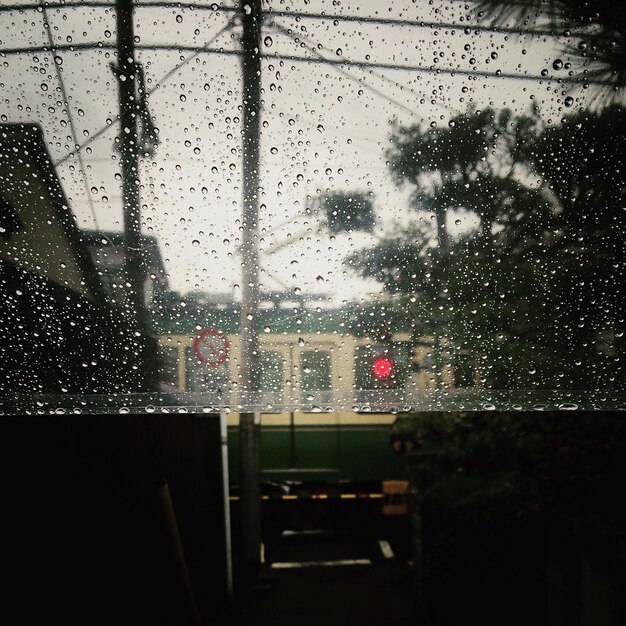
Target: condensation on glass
439,216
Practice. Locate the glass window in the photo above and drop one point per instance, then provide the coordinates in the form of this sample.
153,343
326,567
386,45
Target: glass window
201,377
448,175
271,369
315,372
169,367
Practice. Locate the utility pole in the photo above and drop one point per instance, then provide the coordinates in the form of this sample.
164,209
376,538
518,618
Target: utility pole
249,422
129,159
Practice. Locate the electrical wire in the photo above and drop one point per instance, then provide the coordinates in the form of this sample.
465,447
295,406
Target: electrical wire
311,48
152,89
78,155
425,69
298,15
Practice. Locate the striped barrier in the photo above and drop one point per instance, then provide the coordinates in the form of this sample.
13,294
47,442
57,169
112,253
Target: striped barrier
319,496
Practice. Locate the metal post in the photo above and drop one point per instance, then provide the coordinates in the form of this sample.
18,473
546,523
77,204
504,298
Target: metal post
129,160
249,422
226,499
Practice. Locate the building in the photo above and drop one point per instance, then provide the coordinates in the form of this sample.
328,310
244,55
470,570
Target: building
107,253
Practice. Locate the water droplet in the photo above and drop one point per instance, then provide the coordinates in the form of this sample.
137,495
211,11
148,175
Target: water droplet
266,329
207,86
339,52
274,150
58,60
179,19
107,34
320,279
183,98
494,55
320,128
44,87
558,64
268,41
568,406
568,101
195,243
487,406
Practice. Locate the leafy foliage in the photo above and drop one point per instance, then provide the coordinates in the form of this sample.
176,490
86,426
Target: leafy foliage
348,211
490,485
536,288
599,24
470,165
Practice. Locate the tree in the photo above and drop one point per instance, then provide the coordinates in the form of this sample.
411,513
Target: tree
535,288
599,24
583,164
347,211
469,166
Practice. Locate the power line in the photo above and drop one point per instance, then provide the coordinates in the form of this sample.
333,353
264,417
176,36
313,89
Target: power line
351,76
312,49
299,59
79,156
473,28
430,70
150,91
164,4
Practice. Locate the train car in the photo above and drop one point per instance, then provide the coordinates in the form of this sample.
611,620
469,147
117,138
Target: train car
310,359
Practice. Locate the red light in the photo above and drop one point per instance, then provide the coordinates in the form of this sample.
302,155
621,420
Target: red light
382,367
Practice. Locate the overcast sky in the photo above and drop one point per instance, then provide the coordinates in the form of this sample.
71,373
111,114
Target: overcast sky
322,130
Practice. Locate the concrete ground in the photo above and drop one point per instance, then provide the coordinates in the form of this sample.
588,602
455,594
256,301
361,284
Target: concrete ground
328,579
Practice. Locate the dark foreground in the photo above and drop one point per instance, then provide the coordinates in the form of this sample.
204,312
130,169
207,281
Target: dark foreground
328,579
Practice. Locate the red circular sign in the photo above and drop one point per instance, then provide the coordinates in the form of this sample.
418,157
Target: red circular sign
211,347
